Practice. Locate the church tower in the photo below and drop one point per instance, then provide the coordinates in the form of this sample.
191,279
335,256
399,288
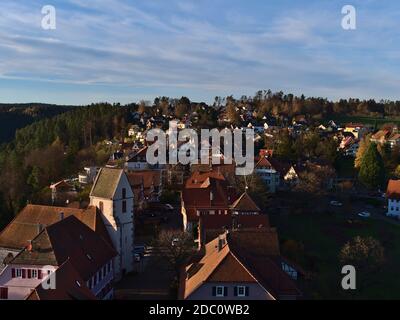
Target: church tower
112,195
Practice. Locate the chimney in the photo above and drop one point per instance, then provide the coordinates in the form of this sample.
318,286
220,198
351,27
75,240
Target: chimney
29,246
61,215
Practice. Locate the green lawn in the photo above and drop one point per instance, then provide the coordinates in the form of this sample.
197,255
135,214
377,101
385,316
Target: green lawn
323,236
365,120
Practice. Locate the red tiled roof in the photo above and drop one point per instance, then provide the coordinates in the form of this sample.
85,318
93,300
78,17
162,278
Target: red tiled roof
68,240
393,189
245,203
25,225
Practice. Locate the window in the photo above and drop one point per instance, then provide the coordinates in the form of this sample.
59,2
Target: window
3,293
241,291
220,290
34,273
123,193
124,206
18,273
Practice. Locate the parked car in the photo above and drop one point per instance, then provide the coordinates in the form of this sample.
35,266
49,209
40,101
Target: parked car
364,214
336,203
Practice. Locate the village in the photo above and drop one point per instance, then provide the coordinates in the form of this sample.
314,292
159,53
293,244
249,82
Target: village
134,230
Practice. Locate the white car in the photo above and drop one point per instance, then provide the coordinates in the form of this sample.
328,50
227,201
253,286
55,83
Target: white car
336,203
364,214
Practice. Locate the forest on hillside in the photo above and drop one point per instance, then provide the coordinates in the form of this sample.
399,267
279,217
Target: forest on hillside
15,116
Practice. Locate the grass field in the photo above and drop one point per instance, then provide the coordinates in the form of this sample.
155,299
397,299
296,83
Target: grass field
365,120
323,236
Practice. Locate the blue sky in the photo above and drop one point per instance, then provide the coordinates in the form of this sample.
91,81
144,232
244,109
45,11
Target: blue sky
124,51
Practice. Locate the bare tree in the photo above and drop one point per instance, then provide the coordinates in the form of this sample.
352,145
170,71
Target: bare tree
175,248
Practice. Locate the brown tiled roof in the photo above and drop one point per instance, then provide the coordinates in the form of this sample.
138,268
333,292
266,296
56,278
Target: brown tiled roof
258,250
25,225
69,286
197,179
250,255
147,177
212,222
217,266
245,203
68,239
106,183
260,241
393,189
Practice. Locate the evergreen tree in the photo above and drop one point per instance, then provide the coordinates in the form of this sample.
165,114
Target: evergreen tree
372,171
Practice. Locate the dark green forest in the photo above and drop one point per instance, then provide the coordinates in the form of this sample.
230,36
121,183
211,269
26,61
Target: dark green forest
15,116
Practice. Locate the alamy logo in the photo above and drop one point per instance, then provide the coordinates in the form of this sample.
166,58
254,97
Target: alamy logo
49,283
185,147
349,20
49,18
349,280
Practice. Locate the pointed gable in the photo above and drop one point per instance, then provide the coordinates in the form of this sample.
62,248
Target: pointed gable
245,203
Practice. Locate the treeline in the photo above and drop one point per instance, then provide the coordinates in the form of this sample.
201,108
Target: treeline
51,149
280,104
15,116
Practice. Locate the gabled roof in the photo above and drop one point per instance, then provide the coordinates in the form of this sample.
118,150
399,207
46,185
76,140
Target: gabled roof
264,164
250,255
245,203
28,223
106,183
69,286
68,239
217,265
140,156
393,189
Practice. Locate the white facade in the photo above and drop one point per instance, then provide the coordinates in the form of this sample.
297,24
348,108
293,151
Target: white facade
19,285
393,208
117,214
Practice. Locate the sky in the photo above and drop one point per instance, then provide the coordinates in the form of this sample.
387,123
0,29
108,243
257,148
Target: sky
128,50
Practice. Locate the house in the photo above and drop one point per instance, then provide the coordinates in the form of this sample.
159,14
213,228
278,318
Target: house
211,226
393,196
268,174
357,129
70,286
68,245
240,265
276,173
34,218
245,205
139,161
207,193
113,196
62,192
146,185
88,175
389,136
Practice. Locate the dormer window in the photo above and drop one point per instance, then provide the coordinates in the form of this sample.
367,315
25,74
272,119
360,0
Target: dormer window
123,193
